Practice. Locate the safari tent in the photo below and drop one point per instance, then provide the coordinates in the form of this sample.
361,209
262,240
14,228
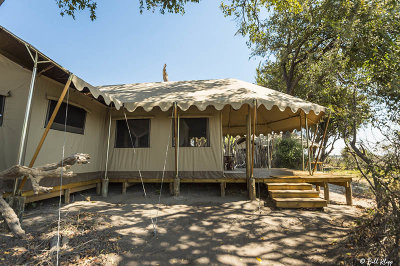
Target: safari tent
195,114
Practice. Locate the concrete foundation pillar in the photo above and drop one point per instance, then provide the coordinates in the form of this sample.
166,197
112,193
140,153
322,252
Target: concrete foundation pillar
98,188
104,187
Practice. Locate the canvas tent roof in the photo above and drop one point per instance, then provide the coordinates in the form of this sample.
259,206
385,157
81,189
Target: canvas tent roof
202,93
276,111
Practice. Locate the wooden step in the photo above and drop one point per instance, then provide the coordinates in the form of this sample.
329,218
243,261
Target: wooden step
288,179
293,194
299,202
288,186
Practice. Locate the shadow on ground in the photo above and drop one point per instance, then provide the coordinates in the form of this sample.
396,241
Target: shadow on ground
199,227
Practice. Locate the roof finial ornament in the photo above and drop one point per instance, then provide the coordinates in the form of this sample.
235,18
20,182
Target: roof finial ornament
164,73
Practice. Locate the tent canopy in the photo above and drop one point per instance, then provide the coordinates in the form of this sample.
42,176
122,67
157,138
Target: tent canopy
276,111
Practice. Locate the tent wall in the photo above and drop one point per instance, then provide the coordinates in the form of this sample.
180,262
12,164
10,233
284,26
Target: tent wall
194,162
91,142
14,84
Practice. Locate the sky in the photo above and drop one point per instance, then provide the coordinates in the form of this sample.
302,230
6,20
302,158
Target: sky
124,46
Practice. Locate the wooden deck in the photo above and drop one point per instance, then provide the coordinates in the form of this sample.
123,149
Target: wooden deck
265,176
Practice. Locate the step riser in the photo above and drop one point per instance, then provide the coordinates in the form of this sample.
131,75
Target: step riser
295,205
293,195
288,187
286,180
288,194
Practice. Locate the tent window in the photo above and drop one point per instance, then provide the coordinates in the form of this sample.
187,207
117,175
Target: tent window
75,118
2,102
193,132
140,132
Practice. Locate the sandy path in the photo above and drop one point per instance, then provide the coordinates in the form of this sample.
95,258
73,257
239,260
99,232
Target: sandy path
200,227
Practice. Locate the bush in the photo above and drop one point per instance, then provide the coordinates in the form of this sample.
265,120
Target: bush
288,153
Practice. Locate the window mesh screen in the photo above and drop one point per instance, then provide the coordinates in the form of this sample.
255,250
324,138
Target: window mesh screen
75,118
140,131
193,132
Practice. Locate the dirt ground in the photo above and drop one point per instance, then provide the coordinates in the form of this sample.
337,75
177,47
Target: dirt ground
197,228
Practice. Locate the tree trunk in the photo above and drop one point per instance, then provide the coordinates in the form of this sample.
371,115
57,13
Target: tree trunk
11,218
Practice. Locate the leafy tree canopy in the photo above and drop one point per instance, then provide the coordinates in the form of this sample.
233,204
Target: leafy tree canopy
69,7
341,54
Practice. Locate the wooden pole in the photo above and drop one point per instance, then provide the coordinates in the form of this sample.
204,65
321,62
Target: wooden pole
307,137
252,180
312,143
349,194
326,192
268,155
322,143
254,135
248,144
302,145
271,152
46,131
108,144
176,180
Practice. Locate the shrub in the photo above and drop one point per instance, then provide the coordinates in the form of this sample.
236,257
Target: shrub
288,153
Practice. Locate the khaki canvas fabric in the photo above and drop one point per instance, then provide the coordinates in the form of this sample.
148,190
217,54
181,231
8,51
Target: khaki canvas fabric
91,142
152,159
14,85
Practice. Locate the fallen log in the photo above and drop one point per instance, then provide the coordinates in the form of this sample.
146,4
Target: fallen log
35,175
11,219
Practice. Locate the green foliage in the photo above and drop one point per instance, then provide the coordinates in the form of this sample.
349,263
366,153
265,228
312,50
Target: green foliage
348,160
174,6
288,153
69,7
344,55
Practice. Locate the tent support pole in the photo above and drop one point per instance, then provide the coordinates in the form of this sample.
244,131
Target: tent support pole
104,184
248,160
176,180
312,144
46,131
308,147
322,143
302,144
26,119
252,192
268,164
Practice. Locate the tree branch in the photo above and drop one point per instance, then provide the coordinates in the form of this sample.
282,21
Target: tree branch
50,170
35,175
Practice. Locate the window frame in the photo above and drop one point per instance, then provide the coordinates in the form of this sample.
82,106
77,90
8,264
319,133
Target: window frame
130,146
208,144
61,127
